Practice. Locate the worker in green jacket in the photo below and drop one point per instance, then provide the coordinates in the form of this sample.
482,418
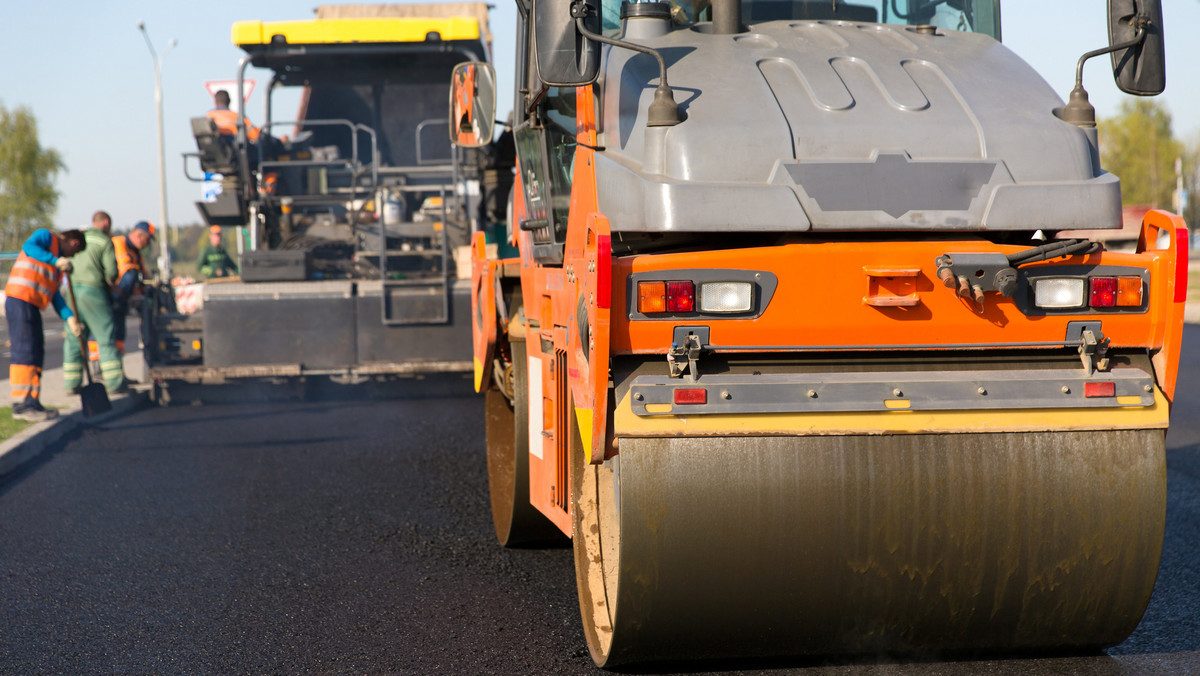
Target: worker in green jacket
213,260
94,275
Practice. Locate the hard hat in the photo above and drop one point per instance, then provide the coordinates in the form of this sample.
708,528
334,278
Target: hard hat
215,229
145,227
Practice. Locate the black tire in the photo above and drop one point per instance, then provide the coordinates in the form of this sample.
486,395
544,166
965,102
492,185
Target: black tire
517,521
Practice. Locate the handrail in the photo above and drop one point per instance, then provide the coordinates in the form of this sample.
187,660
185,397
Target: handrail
420,128
187,173
354,163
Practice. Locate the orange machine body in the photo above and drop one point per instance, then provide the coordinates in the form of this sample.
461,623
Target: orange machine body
841,294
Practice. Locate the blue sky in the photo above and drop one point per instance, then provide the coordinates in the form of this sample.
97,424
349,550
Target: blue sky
84,70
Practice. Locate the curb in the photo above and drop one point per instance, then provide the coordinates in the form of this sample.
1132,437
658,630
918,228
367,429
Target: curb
33,440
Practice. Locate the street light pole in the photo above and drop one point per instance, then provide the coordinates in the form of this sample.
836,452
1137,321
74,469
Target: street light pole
164,257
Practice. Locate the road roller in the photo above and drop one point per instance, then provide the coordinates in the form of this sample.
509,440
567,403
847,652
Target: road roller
819,329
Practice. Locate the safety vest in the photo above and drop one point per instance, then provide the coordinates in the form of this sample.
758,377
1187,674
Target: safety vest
33,281
128,257
226,121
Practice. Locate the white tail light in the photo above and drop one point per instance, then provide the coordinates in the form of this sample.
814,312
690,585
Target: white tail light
1058,292
726,297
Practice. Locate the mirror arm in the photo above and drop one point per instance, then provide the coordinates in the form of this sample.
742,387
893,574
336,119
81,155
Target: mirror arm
1079,111
1138,38
664,111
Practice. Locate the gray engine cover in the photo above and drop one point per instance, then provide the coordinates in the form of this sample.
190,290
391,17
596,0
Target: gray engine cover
840,126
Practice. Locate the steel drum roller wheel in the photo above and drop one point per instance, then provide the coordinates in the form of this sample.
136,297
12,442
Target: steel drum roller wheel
691,547
516,521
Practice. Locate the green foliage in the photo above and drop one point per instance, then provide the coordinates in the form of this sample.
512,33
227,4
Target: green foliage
1138,146
27,172
1191,181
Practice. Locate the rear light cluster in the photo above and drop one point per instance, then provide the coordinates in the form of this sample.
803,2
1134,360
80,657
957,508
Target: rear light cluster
1094,292
685,296
658,297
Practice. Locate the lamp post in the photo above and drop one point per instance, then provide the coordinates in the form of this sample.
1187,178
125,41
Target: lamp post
164,256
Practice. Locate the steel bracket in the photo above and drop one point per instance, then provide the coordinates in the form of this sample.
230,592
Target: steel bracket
1093,350
1093,346
684,354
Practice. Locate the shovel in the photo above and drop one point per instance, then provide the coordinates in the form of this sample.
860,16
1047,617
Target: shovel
93,396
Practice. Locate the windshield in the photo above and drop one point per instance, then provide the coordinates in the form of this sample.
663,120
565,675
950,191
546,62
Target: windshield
979,16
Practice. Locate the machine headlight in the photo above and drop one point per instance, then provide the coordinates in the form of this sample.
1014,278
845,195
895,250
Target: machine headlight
726,297
1058,292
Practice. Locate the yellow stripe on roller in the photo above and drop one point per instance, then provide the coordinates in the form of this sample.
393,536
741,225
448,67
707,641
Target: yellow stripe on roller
583,416
340,31
628,424
478,374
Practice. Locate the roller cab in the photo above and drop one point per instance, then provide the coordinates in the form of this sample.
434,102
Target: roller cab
797,347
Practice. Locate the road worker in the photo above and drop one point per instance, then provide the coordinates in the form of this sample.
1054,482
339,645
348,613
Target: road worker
94,277
213,260
131,271
102,221
32,286
226,119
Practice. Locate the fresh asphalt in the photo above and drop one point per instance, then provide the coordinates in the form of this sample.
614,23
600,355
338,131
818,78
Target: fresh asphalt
354,537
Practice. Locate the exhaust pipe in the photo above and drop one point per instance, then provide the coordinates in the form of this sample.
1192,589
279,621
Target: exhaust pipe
727,17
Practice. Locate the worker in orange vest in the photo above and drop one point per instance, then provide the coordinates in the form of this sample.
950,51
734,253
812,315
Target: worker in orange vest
32,286
226,119
131,271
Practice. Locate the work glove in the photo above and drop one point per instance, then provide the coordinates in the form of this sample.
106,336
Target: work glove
64,264
75,326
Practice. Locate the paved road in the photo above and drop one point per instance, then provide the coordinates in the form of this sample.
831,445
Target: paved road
354,537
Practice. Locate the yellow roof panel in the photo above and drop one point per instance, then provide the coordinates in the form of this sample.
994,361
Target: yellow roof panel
339,31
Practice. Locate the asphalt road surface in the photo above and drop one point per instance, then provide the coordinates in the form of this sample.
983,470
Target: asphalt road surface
354,537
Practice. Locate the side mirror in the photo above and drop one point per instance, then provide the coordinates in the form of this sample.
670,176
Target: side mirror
1140,69
564,57
472,104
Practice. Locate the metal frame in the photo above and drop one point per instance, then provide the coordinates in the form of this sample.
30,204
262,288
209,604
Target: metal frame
907,391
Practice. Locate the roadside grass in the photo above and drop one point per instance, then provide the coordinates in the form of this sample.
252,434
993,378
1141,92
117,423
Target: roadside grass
9,425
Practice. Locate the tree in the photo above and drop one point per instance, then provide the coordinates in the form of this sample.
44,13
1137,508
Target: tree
27,172
1191,181
1137,145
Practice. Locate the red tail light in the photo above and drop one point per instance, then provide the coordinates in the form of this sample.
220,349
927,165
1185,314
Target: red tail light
697,395
1104,292
681,297
1108,389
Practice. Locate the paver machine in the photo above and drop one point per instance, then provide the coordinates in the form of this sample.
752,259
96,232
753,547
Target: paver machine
349,212
792,350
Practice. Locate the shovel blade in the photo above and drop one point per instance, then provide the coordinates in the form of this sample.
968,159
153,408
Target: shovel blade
94,399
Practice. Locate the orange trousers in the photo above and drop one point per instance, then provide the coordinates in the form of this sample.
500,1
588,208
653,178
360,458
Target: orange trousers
25,381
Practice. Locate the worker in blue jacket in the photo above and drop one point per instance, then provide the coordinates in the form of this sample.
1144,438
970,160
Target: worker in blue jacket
32,287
